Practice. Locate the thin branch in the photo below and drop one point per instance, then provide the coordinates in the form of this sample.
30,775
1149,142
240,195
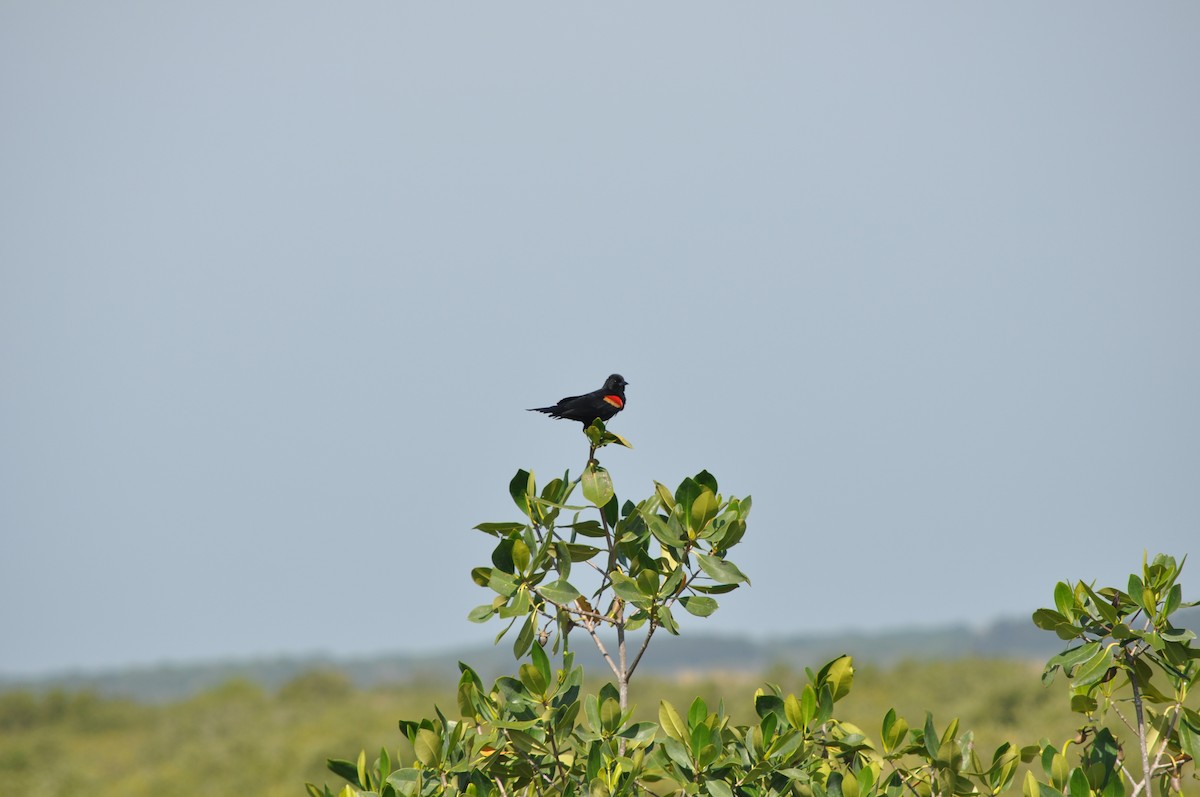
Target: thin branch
1128,774
611,542
612,665
906,778
623,675
1141,731
596,616
1121,716
645,644
558,764
1167,738
587,621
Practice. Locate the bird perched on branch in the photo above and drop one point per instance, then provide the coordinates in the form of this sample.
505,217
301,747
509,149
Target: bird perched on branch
603,403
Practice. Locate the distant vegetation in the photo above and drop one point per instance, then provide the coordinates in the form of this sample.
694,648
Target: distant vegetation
240,738
1006,639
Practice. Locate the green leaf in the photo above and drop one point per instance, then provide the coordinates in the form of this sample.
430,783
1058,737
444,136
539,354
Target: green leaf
1050,620
661,530
664,495
712,589
562,559
595,432
667,620
533,678
613,437
930,737
1099,606
524,638
647,581
704,509
427,747
595,759
786,744
626,588
581,553
808,704
824,704
597,485
670,721
1189,735
839,675
1030,787
588,528
1077,785
766,703
677,752
1072,657
517,605
720,570
707,480
698,605
718,788
1173,600
1064,599
502,583
524,742
1094,669
520,488
1178,634
610,714
1100,763
685,494
520,556
541,661
1055,765
384,764
894,730
833,786
481,614
611,511
792,711
347,770
639,733
670,585
866,781
1137,590
500,529
591,710
1004,767
560,592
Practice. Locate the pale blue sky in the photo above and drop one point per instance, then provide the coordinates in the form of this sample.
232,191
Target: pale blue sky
278,281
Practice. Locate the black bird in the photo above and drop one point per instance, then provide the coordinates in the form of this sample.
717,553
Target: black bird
603,403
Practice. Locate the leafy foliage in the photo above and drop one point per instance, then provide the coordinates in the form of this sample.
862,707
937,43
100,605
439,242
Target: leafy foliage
243,740
1125,654
538,732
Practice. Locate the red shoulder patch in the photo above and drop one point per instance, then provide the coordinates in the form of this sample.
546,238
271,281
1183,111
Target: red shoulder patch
614,401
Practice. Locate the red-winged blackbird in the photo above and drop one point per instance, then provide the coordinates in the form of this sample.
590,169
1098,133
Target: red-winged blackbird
603,403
